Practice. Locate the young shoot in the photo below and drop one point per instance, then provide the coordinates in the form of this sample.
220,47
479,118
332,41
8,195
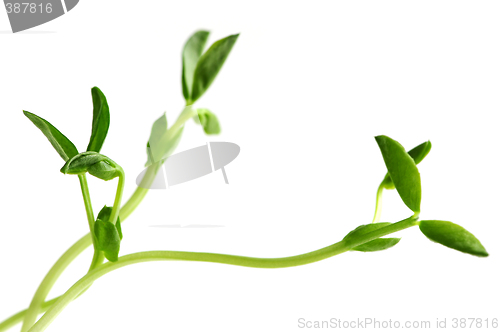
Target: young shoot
199,70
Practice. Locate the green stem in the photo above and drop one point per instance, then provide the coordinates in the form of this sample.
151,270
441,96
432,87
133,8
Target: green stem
74,251
87,202
17,318
378,203
51,277
187,113
98,256
118,197
314,256
54,273
133,202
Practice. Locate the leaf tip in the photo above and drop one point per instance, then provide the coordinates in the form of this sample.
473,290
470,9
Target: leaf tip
380,138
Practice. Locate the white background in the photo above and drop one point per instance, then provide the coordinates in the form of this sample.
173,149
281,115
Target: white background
304,91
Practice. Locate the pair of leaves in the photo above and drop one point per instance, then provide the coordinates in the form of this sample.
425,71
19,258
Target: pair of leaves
452,236
96,164
402,170
63,146
108,235
200,70
374,245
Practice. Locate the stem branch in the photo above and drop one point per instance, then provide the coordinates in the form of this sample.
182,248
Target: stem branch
314,256
56,270
378,203
118,197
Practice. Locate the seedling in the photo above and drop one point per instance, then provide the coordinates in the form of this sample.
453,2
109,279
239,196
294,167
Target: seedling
198,72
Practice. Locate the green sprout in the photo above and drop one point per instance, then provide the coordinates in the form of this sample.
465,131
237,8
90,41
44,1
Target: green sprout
198,72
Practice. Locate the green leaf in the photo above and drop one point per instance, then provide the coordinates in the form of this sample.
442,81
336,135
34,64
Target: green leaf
190,56
104,170
157,131
119,228
403,171
105,213
377,244
108,239
418,154
209,65
95,163
160,152
61,143
80,163
452,236
208,121
100,121
374,245
363,229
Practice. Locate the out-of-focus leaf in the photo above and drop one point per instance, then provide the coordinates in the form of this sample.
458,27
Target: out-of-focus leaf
209,65
190,55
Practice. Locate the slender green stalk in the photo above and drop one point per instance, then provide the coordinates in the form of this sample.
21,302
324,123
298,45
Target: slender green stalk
314,256
133,202
187,113
98,257
54,273
378,203
88,204
118,198
74,251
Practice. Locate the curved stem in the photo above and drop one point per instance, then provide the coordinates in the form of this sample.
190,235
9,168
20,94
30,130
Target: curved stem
314,256
54,273
48,282
378,203
118,197
133,202
98,257
74,251
17,318
87,202
51,277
